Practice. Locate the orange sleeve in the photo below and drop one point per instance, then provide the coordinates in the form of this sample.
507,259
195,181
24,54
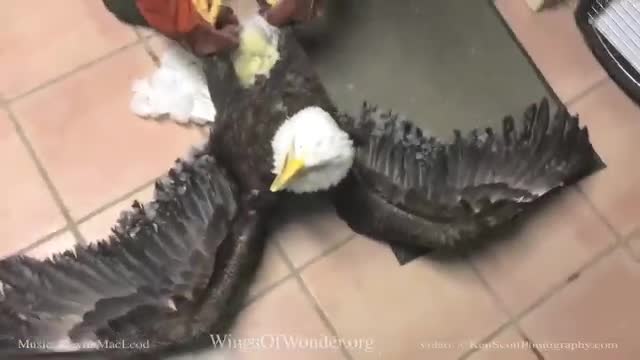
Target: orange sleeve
173,18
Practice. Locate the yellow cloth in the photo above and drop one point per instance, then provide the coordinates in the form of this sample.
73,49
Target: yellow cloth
256,54
208,9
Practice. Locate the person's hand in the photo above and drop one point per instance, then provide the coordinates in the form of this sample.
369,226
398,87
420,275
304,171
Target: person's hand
285,12
207,40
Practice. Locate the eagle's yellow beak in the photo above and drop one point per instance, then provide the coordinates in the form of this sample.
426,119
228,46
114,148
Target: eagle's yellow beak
291,169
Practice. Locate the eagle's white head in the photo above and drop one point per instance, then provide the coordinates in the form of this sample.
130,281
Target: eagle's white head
310,152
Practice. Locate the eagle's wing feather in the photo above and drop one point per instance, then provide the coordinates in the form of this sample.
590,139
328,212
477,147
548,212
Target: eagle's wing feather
171,270
409,188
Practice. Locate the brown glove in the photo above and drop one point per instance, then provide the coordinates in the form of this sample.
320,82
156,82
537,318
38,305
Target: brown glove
207,40
285,12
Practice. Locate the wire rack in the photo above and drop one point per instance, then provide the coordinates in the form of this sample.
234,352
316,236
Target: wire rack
619,22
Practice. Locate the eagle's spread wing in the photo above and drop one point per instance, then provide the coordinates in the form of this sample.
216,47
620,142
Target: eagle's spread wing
415,190
172,270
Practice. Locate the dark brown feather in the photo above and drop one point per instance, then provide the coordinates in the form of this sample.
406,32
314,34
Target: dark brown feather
419,191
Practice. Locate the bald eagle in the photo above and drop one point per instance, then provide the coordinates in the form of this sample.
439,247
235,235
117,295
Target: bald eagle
176,269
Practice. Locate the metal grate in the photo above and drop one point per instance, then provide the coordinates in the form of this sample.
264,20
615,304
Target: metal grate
619,22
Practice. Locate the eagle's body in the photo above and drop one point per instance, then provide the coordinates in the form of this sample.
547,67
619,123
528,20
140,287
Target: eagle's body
249,117
177,269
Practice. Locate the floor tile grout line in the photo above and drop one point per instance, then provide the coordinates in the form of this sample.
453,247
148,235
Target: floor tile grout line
312,300
599,214
527,339
584,93
96,212
619,238
75,70
626,243
109,204
501,305
558,287
499,331
40,241
629,251
252,299
492,335
549,294
53,191
326,253
82,220
136,30
140,29
149,50
267,290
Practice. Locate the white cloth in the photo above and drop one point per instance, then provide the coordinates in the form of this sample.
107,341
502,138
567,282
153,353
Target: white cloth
177,89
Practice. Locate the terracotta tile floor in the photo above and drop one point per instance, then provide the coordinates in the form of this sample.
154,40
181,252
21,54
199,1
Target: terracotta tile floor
75,156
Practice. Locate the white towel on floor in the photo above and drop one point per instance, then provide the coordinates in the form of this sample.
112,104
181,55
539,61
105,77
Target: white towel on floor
177,89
